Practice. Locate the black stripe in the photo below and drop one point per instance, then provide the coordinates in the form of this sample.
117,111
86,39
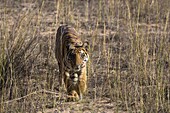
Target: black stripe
65,65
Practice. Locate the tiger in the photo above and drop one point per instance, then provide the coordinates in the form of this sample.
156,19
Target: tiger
72,56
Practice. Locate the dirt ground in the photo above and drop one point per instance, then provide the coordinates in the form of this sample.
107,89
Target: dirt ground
102,106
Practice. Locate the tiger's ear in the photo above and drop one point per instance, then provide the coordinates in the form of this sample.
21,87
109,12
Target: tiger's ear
86,45
78,44
70,46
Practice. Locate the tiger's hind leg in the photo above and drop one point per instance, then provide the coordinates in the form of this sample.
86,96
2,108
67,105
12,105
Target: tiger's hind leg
60,74
61,83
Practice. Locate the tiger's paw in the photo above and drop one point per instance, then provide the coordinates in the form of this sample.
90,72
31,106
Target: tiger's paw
73,96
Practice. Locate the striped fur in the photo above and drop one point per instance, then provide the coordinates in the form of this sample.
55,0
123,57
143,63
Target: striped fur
72,56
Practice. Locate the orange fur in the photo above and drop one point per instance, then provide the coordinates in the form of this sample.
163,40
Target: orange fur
71,54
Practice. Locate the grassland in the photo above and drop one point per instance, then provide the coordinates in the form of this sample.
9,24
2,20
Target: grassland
129,67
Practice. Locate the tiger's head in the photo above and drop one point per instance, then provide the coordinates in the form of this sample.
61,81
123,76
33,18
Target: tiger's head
76,57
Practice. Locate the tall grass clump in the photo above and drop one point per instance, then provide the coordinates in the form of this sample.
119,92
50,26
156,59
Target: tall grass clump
131,63
16,58
140,80
19,50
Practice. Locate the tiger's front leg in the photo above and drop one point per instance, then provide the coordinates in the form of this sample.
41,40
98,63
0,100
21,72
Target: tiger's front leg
71,86
82,85
66,79
73,96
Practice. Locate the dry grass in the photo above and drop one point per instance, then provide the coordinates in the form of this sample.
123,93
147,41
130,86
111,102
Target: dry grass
129,67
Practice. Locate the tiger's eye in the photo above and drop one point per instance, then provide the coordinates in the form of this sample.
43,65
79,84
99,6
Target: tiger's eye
82,55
